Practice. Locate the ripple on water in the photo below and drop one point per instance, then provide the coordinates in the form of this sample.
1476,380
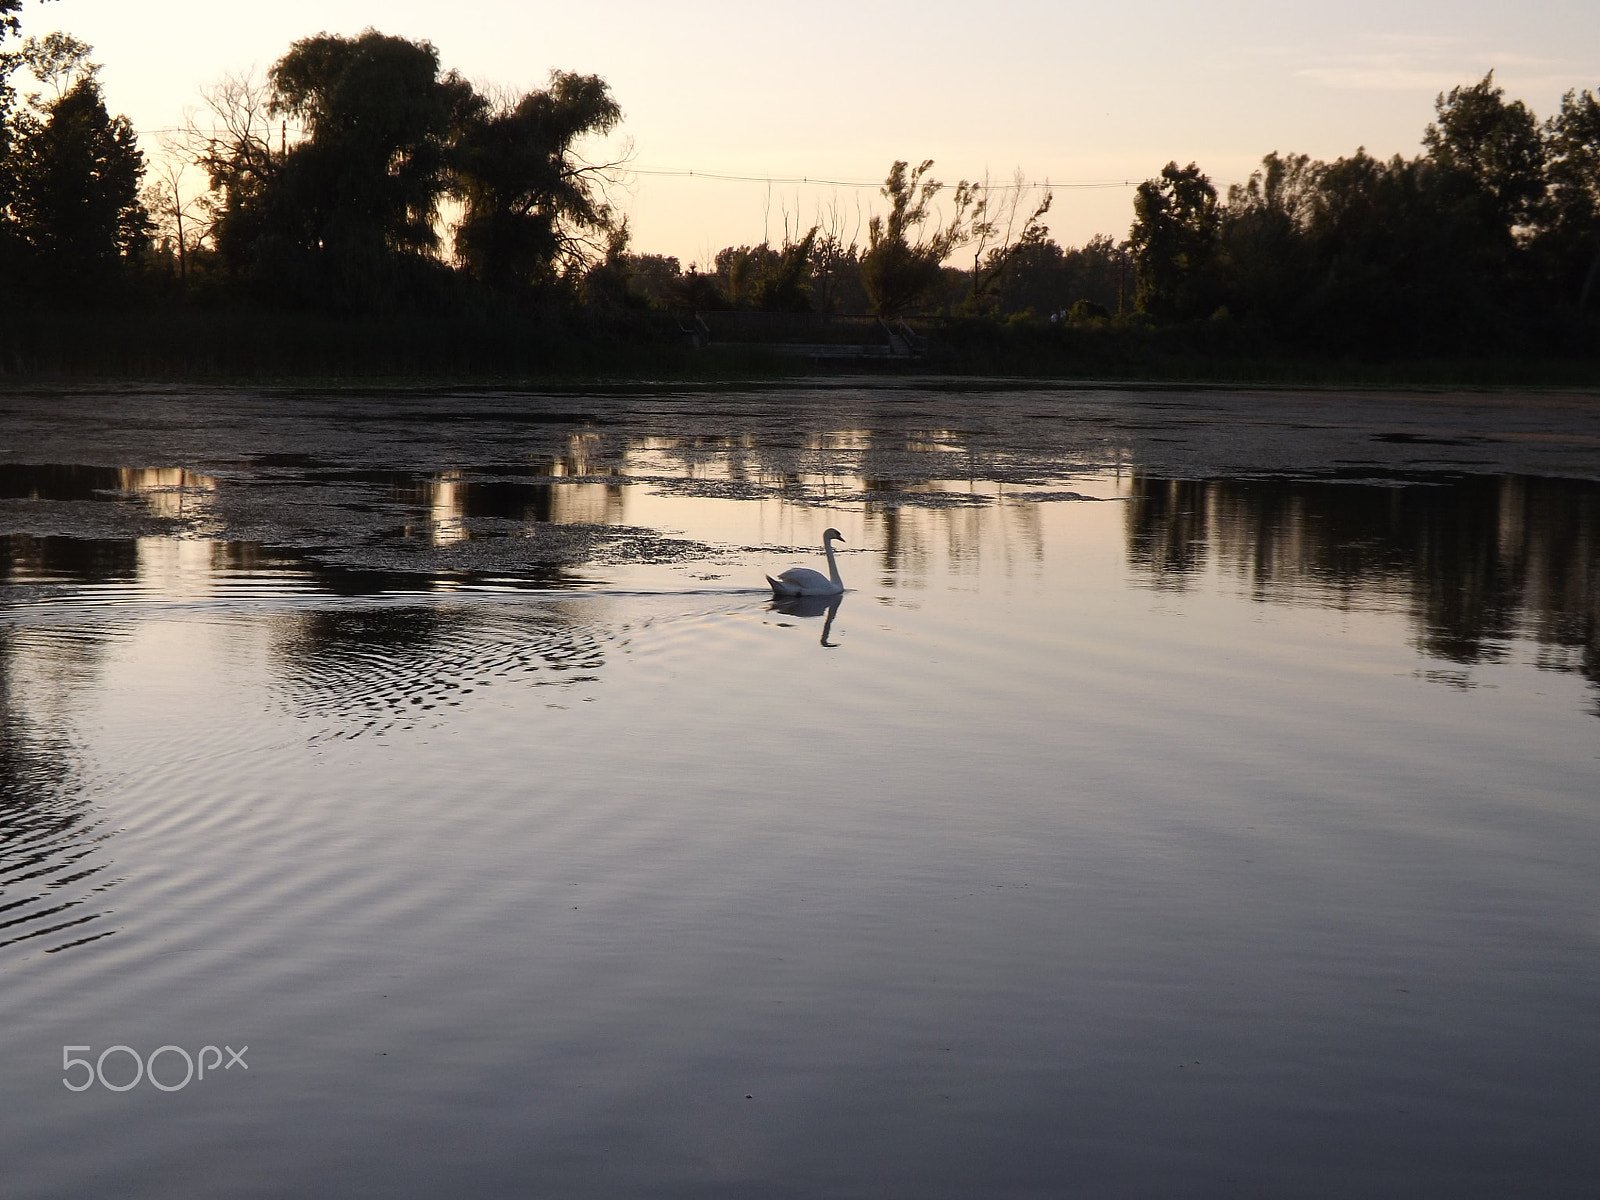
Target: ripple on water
53,863
357,671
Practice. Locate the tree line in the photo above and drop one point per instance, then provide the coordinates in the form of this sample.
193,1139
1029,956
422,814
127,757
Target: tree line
1489,237
346,218
405,189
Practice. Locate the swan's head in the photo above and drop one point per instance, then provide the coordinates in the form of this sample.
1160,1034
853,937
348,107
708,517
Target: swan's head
831,535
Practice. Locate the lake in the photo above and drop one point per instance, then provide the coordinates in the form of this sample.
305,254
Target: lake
415,793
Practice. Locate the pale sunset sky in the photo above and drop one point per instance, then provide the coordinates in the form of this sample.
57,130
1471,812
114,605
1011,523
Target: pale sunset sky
1073,93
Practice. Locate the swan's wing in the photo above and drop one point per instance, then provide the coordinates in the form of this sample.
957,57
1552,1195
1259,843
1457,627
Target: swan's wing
805,578
803,581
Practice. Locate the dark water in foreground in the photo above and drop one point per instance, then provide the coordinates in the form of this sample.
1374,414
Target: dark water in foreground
1231,836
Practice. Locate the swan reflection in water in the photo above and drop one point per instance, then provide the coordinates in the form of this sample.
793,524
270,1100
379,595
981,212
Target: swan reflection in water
826,607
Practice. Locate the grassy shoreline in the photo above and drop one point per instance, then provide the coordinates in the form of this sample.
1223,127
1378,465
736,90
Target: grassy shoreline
1449,378
231,347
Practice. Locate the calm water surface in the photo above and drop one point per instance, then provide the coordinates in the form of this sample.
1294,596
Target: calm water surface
1113,836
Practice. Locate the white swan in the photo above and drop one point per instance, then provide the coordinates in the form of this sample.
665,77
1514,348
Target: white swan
803,581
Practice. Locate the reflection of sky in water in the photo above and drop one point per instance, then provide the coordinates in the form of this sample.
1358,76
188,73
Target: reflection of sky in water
170,492
1076,794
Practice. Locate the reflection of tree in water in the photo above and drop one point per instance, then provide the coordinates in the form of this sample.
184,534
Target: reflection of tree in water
56,482
1477,560
457,507
91,560
911,534
373,669
50,841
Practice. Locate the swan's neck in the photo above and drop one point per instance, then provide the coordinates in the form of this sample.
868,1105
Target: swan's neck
833,567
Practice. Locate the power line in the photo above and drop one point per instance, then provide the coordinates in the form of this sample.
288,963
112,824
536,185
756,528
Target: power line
817,181
721,176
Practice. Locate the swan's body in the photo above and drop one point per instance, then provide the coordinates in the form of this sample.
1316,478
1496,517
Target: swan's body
803,581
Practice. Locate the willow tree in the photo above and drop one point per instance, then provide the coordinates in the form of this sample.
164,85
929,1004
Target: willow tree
380,119
532,207
350,211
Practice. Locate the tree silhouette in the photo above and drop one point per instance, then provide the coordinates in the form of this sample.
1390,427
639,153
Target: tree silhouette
1001,232
75,170
234,148
532,207
902,265
340,217
1496,144
1266,254
1174,240
1572,236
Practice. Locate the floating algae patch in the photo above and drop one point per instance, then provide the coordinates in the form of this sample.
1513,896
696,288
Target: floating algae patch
83,518
910,499
512,548
713,489
1055,497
